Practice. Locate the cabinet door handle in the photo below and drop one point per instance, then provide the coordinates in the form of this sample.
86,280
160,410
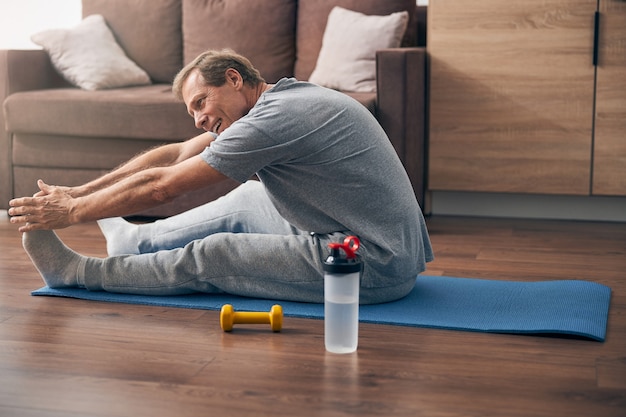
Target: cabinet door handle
596,38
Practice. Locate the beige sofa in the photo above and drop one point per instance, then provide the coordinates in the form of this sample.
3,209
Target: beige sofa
65,135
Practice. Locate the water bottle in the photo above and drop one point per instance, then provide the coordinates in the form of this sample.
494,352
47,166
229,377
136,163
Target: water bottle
342,273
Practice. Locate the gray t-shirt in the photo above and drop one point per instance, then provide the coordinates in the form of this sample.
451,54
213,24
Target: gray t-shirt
328,166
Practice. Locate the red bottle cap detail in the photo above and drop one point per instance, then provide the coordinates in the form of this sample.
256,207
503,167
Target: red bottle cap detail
350,245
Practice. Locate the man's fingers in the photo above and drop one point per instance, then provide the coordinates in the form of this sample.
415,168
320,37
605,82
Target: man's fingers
20,214
45,188
21,218
30,221
22,203
29,227
27,209
16,202
19,210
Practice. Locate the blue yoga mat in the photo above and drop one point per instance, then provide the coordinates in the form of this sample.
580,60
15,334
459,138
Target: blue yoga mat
566,307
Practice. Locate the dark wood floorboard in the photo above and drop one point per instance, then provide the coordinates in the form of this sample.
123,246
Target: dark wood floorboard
63,357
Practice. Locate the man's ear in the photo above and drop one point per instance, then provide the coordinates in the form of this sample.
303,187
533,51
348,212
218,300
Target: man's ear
234,78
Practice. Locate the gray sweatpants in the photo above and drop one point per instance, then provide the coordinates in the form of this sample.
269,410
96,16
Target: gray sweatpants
238,244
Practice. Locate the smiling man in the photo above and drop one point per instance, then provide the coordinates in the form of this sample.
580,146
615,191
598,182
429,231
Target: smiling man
326,170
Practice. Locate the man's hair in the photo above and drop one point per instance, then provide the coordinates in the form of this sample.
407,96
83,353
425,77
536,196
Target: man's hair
213,65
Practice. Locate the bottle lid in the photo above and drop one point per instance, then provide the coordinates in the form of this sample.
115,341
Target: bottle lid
338,264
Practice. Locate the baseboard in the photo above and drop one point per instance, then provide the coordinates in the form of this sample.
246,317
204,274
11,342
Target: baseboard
531,206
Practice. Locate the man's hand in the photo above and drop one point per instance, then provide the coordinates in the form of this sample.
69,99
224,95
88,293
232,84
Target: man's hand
73,192
50,208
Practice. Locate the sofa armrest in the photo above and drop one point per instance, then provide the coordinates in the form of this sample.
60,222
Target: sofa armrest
401,108
20,70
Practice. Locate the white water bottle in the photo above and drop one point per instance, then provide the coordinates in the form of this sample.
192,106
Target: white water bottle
341,296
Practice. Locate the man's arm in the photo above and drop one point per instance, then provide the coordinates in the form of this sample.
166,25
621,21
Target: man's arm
162,156
145,189
55,208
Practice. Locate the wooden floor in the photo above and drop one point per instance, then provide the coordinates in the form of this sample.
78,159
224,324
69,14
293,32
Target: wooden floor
62,357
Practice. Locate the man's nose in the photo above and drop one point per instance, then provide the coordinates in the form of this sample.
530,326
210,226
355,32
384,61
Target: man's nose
200,120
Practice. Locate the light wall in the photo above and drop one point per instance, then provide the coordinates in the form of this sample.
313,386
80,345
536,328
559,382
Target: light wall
19,19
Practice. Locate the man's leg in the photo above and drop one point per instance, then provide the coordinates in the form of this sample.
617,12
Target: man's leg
246,209
268,266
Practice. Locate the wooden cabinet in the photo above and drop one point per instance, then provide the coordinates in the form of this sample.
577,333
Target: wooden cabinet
609,156
514,95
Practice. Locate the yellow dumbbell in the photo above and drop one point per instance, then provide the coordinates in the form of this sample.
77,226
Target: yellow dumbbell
228,317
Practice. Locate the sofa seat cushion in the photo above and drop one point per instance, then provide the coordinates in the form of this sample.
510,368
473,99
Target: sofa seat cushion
261,30
146,112
313,16
71,152
149,32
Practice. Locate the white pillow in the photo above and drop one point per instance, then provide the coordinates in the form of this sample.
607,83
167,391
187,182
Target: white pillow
89,57
347,60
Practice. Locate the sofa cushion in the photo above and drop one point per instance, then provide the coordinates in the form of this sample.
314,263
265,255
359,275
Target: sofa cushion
147,112
53,151
79,55
261,30
347,60
149,31
312,18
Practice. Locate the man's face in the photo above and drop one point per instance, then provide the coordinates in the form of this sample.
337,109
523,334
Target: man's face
214,108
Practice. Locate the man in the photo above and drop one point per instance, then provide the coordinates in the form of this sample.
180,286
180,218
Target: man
326,170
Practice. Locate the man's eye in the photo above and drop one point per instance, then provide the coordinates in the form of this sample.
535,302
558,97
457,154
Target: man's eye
199,102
